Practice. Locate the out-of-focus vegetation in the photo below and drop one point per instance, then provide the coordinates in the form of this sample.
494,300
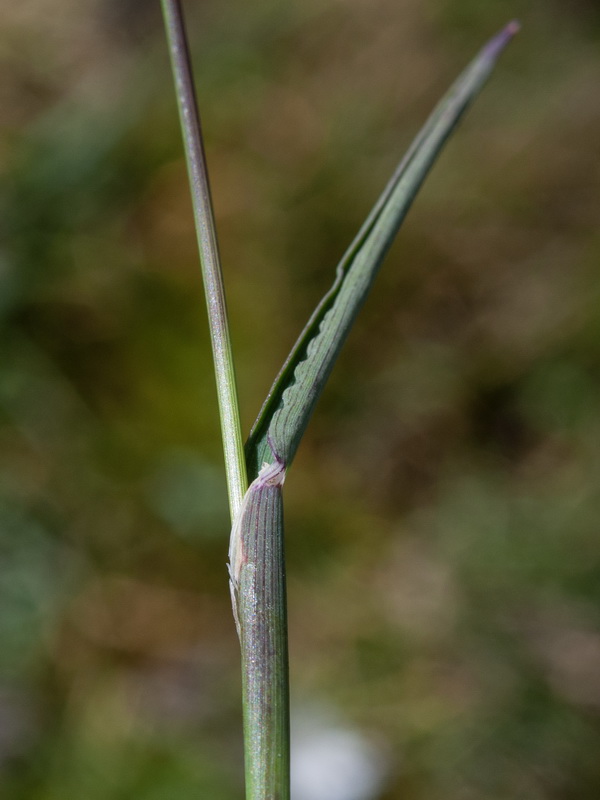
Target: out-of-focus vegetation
443,534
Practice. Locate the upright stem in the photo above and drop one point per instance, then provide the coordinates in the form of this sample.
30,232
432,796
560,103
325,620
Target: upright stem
235,463
258,575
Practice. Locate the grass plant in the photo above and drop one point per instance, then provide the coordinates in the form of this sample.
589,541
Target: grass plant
256,555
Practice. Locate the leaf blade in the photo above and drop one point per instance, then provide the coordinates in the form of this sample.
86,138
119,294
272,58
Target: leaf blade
282,420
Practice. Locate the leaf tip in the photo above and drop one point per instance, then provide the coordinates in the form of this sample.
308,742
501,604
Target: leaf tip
494,47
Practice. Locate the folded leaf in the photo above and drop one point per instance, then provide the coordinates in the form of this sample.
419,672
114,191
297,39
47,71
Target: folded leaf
283,418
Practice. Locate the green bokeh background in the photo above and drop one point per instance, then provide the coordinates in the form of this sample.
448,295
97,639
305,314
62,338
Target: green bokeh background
443,512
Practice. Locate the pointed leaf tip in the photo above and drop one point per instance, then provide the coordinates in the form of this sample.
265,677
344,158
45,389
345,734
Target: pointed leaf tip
496,45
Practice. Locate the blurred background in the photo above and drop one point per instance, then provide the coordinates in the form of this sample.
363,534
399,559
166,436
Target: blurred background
442,514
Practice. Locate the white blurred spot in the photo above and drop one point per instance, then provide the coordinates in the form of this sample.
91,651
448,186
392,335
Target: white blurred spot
333,762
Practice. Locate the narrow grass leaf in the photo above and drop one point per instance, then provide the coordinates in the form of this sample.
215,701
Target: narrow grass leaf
278,430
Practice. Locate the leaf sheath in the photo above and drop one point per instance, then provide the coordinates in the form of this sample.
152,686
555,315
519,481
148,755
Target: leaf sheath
257,577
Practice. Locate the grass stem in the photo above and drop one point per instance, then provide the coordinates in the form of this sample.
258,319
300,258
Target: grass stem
235,463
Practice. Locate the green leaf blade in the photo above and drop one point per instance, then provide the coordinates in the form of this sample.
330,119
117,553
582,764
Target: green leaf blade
281,423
